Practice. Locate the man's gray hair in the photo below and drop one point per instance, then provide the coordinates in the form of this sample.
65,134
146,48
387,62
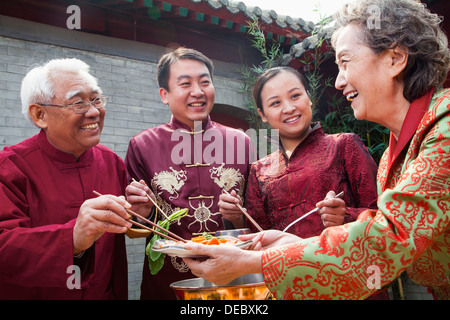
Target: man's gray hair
38,84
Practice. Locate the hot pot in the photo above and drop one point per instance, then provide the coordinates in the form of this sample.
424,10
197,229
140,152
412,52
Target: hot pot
246,287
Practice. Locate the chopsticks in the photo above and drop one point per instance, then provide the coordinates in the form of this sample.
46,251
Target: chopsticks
170,235
339,195
154,203
152,230
245,213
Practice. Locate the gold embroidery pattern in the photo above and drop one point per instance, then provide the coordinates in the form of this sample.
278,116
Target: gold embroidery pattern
180,266
169,181
227,178
202,214
172,181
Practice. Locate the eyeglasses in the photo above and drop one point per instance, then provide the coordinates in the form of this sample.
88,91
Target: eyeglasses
81,106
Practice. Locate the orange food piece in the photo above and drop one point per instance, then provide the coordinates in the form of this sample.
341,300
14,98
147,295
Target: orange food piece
213,241
198,239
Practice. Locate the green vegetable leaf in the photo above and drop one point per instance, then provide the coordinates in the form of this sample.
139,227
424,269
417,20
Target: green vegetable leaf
177,215
153,255
155,258
156,266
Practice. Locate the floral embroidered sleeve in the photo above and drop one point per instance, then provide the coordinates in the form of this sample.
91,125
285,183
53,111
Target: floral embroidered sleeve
409,231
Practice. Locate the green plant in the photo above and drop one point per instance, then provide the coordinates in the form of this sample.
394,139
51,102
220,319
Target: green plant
342,119
270,57
312,61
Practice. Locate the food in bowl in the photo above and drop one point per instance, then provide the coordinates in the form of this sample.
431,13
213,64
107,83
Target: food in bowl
177,248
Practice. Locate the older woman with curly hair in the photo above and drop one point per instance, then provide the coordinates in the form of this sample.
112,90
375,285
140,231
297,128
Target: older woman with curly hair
392,58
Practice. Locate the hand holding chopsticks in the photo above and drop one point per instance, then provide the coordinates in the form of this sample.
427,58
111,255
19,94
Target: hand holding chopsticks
245,213
154,202
170,235
97,216
339,195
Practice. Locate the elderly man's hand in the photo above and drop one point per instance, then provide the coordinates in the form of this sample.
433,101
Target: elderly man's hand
97,216
225,262
136,194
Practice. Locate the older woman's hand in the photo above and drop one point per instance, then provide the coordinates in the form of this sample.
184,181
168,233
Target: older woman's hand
269,239
225,262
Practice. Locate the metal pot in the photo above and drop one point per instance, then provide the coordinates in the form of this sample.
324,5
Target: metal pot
246,287
232,232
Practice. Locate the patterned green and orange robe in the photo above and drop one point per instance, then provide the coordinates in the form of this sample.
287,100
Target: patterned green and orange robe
409,231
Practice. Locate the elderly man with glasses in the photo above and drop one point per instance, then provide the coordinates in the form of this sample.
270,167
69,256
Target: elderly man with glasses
58,240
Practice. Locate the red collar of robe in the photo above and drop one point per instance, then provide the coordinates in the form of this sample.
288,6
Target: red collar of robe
412,120
63,159
316,129
175,124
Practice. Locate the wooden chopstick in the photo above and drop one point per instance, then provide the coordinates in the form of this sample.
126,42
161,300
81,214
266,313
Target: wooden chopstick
154,203
246,213
177,237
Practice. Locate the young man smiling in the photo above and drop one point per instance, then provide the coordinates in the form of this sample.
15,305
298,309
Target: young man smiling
186,86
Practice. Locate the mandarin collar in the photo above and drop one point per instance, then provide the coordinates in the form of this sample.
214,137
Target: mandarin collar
175,124
61,156
316,129
416,111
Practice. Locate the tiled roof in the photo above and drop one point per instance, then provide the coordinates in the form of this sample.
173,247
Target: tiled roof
266,16
234,15
271,18
164,22
272,23
309,43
